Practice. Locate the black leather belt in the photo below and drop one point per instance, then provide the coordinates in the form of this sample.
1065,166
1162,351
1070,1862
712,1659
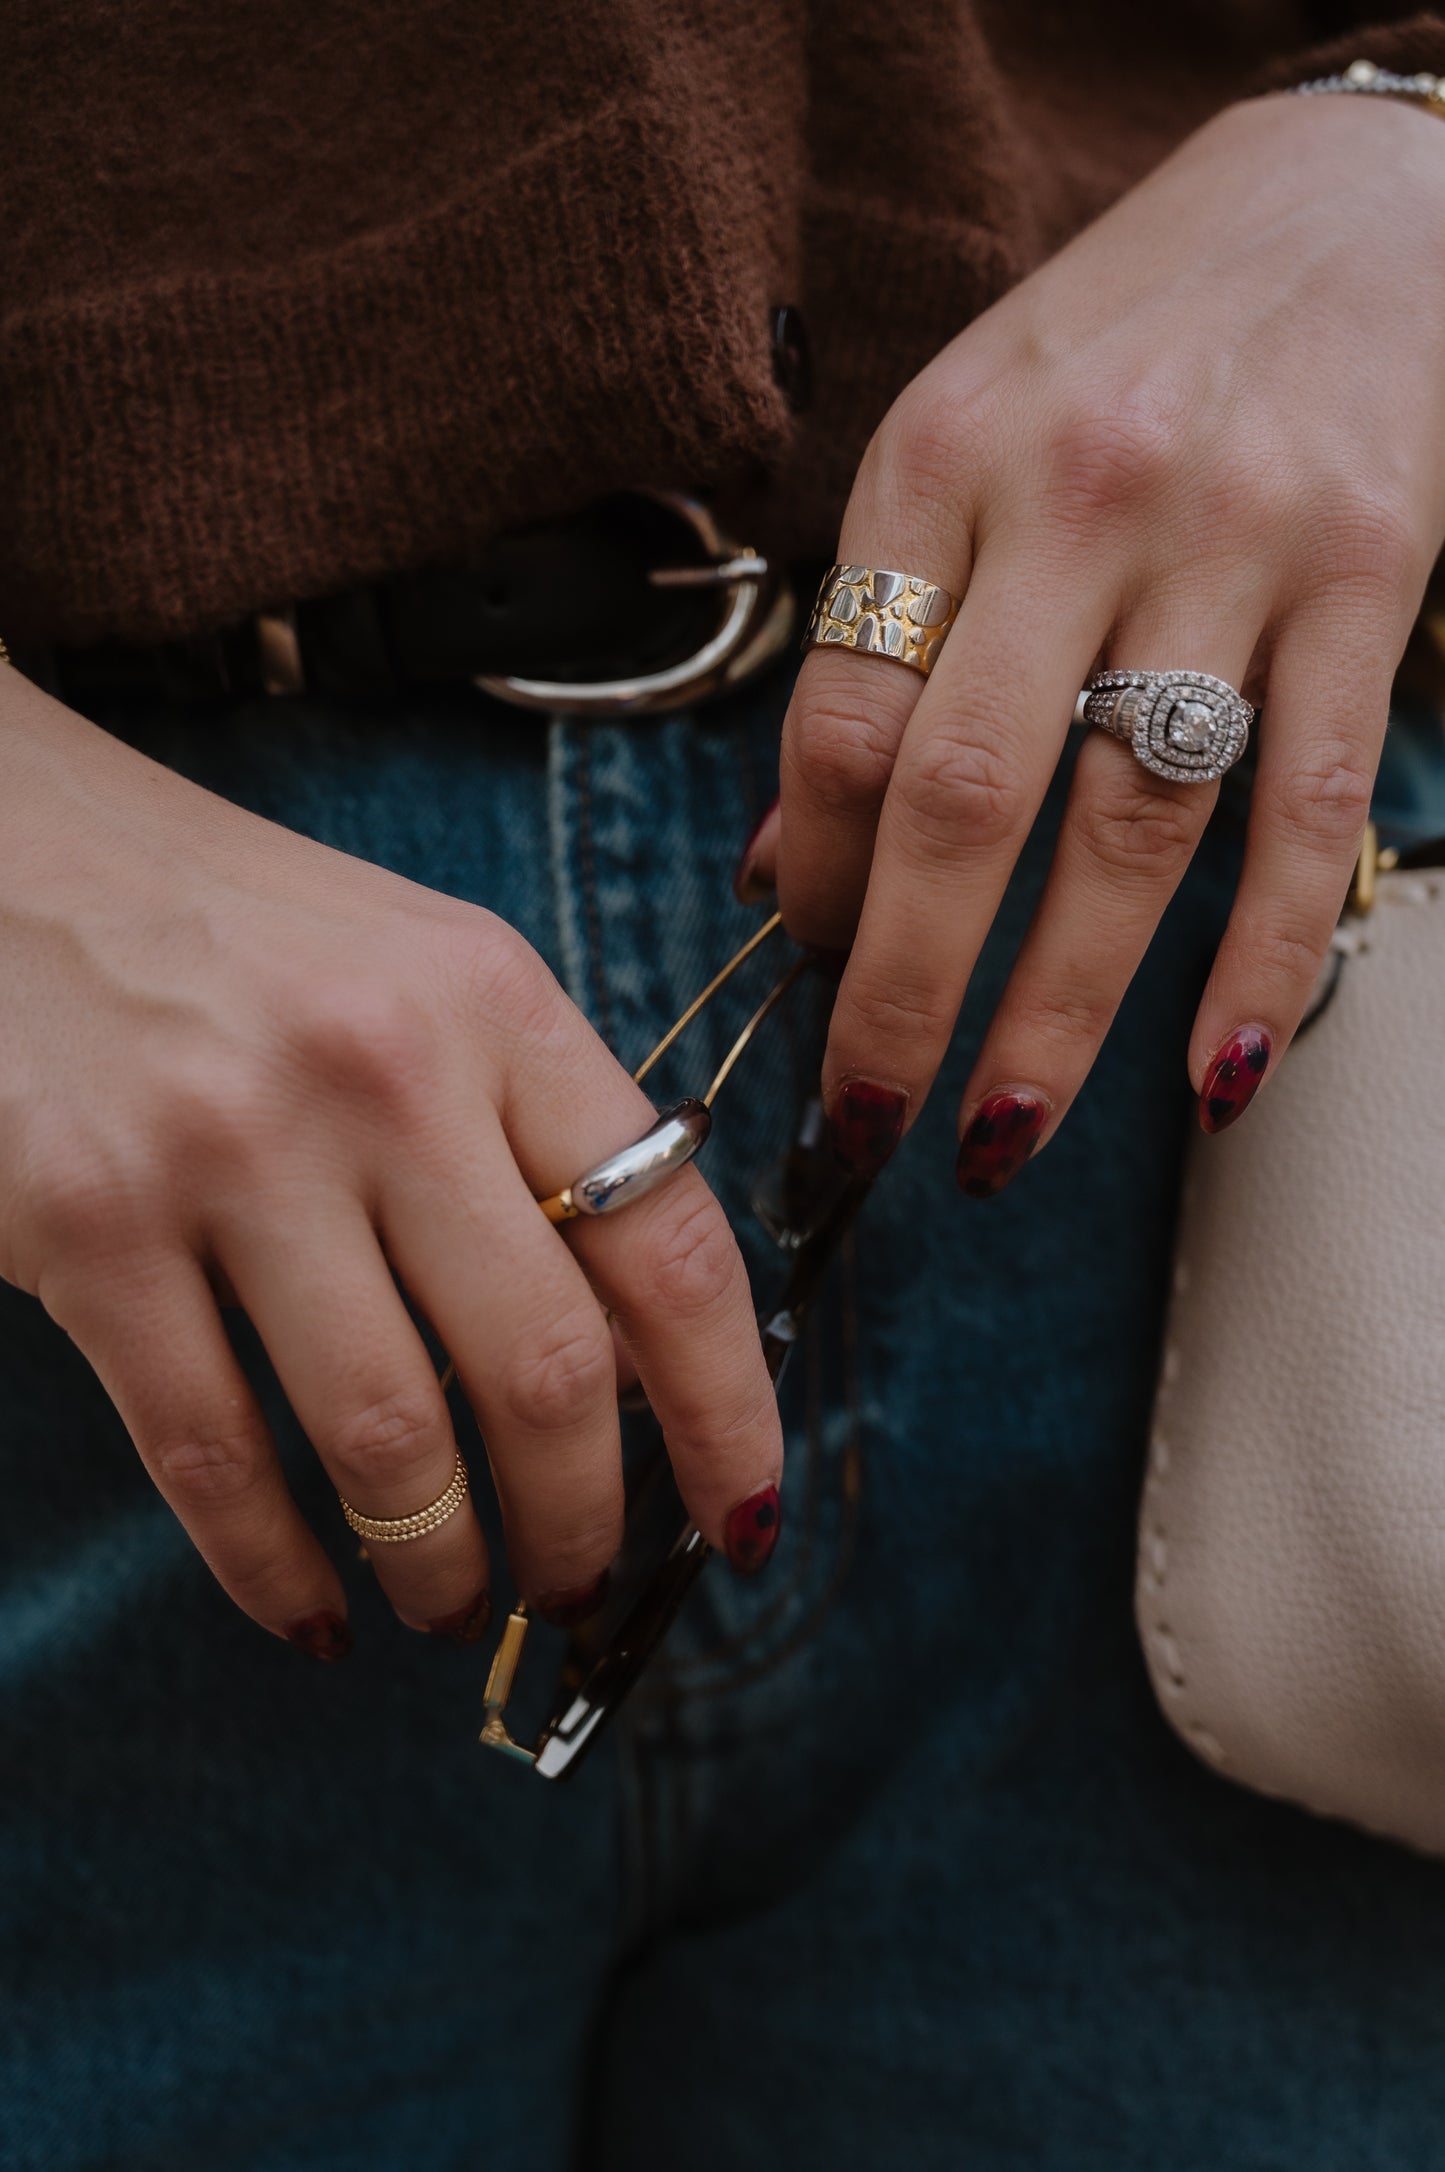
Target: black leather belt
639,603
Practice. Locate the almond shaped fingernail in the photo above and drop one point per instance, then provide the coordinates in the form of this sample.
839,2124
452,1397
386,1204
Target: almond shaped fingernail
324,1635
1001,1135
751,1530
468,1625
866,1124
1234,1077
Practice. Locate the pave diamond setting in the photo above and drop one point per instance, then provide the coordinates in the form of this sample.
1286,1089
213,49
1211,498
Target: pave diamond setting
1181,724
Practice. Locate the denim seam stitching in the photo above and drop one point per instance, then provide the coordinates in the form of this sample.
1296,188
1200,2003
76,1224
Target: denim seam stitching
592,918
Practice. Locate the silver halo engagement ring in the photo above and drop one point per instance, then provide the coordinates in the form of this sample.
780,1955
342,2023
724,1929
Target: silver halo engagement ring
1180,724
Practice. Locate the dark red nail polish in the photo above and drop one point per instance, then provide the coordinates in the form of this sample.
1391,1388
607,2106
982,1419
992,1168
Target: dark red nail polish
564,1609
751,1531
1234,1077
867,1124
749,888
1002,1133
324,1635
468,1625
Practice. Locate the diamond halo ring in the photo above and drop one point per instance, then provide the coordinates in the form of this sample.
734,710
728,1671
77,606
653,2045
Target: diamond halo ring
1181,724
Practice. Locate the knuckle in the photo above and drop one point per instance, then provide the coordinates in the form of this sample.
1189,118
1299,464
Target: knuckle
843,750
498,976
963,787
1102,459
552,1379
1326,797
370,1041
79,1202
1290,951
1364,538
907,1017
1064,1015
919,452
206,1466
1135,833
387,1436
221,1113
693,1262
700,1433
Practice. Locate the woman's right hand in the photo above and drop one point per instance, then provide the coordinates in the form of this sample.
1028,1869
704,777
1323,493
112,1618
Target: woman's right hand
239,1066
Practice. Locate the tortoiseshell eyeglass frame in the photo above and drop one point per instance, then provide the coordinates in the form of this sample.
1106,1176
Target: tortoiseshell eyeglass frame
590,1695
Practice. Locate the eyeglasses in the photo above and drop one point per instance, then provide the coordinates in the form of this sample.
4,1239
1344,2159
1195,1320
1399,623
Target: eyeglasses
806,1203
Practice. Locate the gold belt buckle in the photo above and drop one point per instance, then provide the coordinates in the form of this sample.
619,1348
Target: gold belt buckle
755,625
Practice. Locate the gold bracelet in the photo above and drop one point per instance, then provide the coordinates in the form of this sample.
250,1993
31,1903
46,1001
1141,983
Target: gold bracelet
1362,75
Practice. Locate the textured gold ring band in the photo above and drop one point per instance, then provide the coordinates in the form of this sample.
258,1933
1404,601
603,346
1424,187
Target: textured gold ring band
392,1530
899,615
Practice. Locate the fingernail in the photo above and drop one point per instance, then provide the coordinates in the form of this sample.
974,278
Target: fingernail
749,886
1234,1077
469,1624
751,1531
324,1635
564,1609
867,1124
1001,1135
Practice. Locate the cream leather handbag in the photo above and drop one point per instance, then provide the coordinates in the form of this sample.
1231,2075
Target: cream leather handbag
1291,1578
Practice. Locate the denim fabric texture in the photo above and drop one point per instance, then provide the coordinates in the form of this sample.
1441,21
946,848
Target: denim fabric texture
893,1861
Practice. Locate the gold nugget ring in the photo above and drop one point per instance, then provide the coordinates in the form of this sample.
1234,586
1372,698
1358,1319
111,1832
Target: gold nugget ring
885,614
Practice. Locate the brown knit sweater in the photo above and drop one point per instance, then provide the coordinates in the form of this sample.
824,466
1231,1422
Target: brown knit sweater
292,294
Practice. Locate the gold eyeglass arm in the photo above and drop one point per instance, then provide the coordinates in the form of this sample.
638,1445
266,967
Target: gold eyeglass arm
707,995
774,995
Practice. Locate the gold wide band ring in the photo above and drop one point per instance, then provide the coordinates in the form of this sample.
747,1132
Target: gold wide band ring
899,615
393,1530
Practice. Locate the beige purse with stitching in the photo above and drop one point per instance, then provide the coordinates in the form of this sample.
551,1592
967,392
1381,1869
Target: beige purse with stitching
1291,1574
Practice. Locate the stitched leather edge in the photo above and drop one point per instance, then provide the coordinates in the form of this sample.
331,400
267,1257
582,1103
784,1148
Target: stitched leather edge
1163,1652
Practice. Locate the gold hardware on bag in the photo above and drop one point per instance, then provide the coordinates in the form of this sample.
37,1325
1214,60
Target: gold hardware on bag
1371,862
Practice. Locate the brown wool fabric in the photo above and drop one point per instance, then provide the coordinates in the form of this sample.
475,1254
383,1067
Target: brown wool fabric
296,296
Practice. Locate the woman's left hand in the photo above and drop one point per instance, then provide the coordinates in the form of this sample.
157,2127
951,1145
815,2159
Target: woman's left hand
1210,434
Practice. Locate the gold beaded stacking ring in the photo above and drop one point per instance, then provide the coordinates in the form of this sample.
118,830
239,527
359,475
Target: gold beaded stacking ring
394,1530
898,615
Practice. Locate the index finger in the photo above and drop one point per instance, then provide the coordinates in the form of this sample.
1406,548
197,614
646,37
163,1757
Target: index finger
971,773
670,1272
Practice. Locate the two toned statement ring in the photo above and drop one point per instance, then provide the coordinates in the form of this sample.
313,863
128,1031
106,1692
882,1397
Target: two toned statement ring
1183,725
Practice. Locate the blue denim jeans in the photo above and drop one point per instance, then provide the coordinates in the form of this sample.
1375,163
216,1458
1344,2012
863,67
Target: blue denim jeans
893,1861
